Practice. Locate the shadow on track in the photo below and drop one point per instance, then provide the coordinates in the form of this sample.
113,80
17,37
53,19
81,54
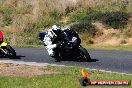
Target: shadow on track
93,60
19,57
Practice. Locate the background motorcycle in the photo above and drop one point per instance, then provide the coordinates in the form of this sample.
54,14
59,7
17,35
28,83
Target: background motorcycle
68,46
7,51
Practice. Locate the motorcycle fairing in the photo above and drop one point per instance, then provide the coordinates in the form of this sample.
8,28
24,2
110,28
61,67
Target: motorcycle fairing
3,44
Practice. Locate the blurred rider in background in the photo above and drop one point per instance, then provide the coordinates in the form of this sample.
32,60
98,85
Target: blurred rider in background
1,37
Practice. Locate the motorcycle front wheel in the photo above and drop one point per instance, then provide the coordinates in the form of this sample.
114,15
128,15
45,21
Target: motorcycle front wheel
10,52
83,54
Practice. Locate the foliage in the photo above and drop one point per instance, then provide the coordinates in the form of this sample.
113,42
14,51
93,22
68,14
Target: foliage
44,23
124,4
30,18
26,9
83,27
70,9
55,14
6,13
77,17
29,34
115,19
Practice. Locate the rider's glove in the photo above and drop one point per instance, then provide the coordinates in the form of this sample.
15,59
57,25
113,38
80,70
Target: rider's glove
59,44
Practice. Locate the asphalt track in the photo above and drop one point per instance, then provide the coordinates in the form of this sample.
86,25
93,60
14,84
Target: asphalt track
109,60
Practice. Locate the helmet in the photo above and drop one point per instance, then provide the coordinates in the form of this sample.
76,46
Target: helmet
56,28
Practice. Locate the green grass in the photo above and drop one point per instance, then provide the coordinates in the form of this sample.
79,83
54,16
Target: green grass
67,78
110,47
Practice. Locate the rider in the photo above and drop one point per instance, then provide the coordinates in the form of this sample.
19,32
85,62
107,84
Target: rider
50,39
1,36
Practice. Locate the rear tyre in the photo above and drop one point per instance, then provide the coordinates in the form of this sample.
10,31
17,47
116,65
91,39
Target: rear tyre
11,52
83,54
57,57
57,60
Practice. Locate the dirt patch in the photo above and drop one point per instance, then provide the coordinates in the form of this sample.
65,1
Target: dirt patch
115,41
130,40
109,36
9,69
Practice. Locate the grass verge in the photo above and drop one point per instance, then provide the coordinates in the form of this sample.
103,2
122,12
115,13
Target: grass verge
68,77
110,47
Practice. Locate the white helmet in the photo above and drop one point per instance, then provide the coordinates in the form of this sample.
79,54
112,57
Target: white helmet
56,28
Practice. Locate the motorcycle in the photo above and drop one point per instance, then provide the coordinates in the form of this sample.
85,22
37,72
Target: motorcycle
6,50
69,46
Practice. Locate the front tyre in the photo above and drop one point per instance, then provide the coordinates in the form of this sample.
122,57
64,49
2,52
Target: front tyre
10,52
83,54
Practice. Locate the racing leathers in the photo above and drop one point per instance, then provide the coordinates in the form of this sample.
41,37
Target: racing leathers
48,41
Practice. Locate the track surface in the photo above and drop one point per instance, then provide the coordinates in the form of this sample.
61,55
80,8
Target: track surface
109,60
